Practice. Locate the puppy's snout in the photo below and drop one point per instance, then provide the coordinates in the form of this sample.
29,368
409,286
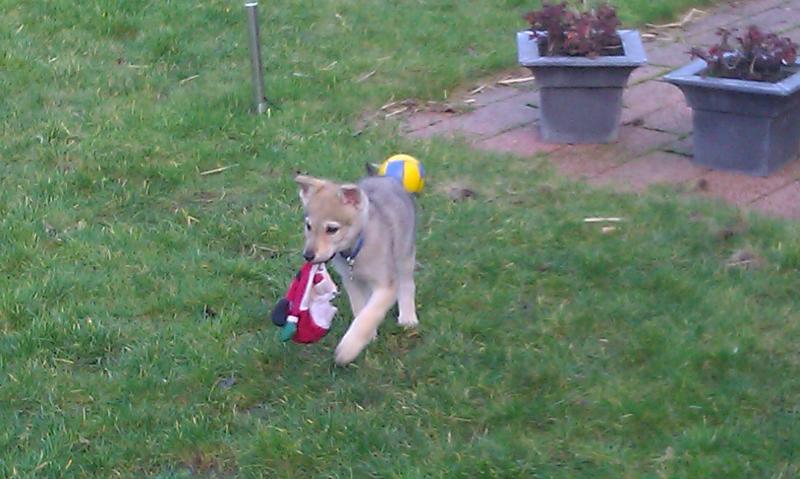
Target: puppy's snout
308,255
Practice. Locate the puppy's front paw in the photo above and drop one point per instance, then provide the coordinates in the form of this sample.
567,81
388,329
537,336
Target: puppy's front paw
348,349
408,321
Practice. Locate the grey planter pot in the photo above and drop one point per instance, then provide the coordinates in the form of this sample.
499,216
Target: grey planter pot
747,126
581,98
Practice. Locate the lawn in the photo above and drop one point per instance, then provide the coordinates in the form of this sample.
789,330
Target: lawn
134,291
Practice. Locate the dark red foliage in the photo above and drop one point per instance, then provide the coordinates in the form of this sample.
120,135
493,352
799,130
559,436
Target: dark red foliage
566,32
758,56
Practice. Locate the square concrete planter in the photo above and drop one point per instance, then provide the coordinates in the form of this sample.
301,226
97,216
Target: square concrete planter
746,126
581,98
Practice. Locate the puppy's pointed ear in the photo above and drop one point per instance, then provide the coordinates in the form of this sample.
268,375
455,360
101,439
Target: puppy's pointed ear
308,185
372,169
351,195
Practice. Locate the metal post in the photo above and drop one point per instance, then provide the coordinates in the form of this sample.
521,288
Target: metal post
255,56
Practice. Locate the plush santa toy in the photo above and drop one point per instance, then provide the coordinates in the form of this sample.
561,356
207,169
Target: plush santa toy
305,313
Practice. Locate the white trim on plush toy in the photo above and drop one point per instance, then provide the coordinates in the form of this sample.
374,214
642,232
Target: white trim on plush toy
309,285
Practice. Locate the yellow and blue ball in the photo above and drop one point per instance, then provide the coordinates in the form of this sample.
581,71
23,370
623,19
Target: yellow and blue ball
406,169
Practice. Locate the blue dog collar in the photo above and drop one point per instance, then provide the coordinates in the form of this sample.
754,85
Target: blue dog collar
350,255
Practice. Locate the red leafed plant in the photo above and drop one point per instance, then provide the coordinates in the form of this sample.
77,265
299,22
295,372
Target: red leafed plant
758,56
566,32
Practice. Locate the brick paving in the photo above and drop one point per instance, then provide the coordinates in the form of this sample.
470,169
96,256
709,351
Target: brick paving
522,141
655,143
657,167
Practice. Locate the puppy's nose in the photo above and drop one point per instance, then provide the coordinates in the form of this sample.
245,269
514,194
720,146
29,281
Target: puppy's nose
308,255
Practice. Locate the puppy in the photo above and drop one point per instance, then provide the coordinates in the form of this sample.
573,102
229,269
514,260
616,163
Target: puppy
368,232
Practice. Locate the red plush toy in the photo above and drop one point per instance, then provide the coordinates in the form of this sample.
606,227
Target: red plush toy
305,313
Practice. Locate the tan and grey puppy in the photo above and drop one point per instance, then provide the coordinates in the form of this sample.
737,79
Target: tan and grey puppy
368,231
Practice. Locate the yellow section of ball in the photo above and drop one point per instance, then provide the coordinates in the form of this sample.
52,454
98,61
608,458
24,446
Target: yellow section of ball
406,169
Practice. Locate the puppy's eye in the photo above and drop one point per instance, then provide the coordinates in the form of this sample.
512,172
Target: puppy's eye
330,229
308,225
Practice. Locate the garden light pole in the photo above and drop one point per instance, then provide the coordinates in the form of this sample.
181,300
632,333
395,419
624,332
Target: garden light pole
255,56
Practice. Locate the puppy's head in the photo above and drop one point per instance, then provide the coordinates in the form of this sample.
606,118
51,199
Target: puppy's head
334,216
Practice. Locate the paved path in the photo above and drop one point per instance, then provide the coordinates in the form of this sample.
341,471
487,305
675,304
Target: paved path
655,144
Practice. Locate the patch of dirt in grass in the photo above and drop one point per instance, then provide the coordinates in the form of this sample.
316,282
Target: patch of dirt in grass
735,229
495,79
260,252
202,464
206,197
402,110
402,340
459,101
744,259
457,191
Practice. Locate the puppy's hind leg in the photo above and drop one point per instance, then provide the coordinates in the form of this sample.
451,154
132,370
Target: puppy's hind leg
363,327
405,293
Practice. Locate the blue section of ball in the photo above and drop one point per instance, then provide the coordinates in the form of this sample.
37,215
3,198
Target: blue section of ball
395,169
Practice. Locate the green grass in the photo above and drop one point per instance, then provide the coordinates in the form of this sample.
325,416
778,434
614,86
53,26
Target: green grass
546,349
